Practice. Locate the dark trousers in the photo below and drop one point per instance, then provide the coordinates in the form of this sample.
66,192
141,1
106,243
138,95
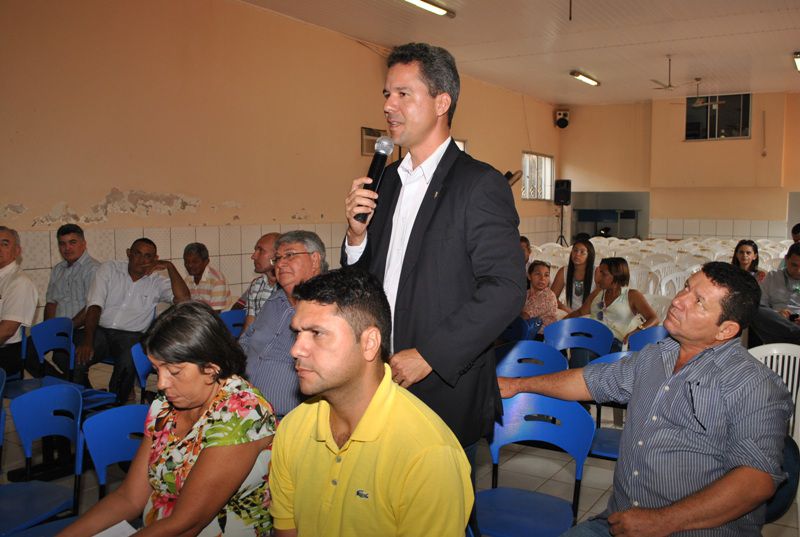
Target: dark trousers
11,358
471,451
772,327
115,344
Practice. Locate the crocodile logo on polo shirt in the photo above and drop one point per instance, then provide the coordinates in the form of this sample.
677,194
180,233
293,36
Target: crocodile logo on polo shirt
363,494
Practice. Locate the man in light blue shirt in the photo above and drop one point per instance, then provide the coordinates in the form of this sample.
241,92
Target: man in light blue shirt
778,318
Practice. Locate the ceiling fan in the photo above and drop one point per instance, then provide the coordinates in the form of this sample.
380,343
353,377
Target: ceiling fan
668,86
703,101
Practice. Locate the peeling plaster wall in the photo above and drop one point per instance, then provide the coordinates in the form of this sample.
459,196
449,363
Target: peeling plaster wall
204,112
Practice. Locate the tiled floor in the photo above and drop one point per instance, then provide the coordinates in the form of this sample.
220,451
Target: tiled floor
542,470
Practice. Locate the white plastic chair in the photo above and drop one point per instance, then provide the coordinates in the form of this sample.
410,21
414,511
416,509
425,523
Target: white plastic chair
784,359
660,304
672,283
652,260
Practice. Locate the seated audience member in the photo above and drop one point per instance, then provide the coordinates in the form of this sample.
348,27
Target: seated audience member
702,445
203,461
69,284
363,456
576,279
796,233
623,310
205,283
18,297
778,318
525,244
300,255
745,256
265,285
541,302
120,306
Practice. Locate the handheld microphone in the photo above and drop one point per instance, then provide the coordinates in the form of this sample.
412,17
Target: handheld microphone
383,148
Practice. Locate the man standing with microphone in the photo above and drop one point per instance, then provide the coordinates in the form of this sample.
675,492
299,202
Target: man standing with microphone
441,234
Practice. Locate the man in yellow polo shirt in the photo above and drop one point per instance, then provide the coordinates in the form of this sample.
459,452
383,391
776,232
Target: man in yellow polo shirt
362,456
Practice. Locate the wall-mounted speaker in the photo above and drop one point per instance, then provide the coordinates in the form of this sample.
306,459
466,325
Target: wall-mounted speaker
562,194
562,119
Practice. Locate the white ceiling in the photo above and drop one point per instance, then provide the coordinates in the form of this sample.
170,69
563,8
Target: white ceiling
735,46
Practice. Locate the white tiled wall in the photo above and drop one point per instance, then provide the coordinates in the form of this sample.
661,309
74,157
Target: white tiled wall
542,229
676,228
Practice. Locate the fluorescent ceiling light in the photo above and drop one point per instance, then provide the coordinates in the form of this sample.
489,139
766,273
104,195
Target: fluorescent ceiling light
586,79
797,60
427,6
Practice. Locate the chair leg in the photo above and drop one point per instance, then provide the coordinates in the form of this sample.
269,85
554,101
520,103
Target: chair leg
576,494
28,468
495,471
76,495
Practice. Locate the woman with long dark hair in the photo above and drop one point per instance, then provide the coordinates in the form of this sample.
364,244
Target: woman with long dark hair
578,277
745,256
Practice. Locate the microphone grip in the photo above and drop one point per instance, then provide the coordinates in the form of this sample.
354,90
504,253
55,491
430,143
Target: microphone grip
375,173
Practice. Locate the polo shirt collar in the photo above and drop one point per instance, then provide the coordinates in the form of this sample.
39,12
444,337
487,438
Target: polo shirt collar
717,353
9,269
373,421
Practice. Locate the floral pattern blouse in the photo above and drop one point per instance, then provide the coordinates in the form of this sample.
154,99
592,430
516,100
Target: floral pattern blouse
238,414
542,304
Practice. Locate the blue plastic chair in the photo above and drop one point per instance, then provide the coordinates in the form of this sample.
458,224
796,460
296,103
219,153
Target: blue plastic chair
579,333
518,330
49,411
113,436
639,340
606,439
528,359
234,320
143,369
506,512
48,529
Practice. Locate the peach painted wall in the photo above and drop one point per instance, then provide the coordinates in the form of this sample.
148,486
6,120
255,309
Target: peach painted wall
203,112
607,148
791,143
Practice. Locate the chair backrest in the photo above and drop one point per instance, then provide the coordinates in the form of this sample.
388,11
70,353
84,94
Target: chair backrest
672,283
638,340
611,357
784,359
234,320
48,411
113,436
534,417
580,333
516,331
528,359
54,334
141,364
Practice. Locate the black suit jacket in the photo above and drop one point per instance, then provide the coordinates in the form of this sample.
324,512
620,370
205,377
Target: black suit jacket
462,282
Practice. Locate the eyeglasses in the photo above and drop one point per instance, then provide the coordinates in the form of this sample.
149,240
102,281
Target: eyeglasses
287,256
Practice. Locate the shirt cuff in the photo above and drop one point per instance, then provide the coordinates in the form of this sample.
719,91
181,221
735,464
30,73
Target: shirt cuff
354,253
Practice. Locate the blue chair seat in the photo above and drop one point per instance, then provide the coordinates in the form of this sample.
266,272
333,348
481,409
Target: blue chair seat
234,320
46,530
507,511
16,498
606,443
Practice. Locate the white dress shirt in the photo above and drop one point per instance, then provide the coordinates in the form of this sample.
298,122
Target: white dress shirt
415,183
18,299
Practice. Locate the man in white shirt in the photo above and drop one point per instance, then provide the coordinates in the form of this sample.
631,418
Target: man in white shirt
18,297
120,307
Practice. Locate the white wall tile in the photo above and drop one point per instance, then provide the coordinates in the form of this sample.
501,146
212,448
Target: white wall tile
247,268
674,228
323,231
338,230
55,255
658,225
123,238
759,228
208,235
160,236
333,257
179,238
236,291
777,229
708,228
230,240
100,243
231,267
724,229
250,236
35,249
270,228
658,235
741,229
40,278
691,228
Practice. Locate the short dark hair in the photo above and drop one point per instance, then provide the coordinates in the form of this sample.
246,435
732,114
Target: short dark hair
796,229
744,294
537,263
197,248
191,332
794,249
144,240
359,297
754,264
68,229
582,236
618,267
437,68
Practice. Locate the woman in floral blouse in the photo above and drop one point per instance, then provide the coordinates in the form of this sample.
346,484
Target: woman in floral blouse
541,302
202,466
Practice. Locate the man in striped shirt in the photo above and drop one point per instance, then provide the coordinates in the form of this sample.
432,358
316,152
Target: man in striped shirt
205,283
701,451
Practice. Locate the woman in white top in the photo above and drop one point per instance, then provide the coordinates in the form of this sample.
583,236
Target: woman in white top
623,310
745,256
576,279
